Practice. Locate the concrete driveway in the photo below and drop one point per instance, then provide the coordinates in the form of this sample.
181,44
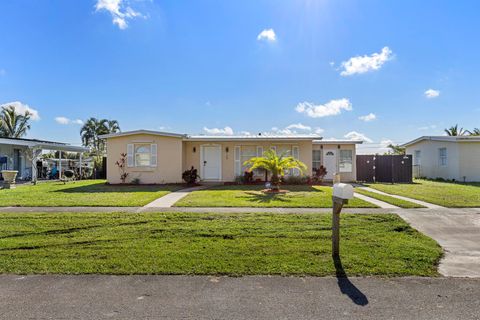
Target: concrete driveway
201,297
457,231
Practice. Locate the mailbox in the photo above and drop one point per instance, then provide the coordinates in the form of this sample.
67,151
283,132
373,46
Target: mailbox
343,191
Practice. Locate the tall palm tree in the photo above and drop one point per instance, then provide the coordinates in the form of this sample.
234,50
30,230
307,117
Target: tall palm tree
93,128
475,132
455,131
275,164
12,124
112,126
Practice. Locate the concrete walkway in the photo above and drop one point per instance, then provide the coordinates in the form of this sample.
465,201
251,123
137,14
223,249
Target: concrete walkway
252,297
378,203
171,198
422,203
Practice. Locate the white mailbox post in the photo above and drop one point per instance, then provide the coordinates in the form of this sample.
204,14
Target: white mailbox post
342,192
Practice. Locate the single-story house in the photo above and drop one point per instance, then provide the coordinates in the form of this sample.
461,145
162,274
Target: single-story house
23,154
447,157
160,157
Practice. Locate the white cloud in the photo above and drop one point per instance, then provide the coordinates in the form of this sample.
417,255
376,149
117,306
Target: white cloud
356,136
120,11
246,133
294,129
65,121
227,131
267,35
362,64
368,117
299,126
430,127
21,108
432,93
331,108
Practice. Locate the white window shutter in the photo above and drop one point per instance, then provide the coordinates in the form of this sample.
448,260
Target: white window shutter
238,165
296,154
259,151
153,158
129,155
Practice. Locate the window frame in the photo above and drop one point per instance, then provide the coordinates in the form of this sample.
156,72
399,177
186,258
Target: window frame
343,160
316,162
442,158
149,153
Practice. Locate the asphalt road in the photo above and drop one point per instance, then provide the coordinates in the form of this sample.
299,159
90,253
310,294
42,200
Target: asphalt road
203,297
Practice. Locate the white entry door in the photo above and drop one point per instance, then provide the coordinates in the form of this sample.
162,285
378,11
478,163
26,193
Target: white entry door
330,162
211,163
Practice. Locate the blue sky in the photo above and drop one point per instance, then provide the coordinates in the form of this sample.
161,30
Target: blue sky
257,66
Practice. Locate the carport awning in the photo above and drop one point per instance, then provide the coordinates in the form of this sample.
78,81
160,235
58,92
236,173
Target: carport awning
40,144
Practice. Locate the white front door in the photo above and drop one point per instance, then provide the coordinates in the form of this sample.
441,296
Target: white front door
211,163
330,162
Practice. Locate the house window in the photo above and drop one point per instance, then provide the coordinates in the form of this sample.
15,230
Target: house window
442,156
316,159
346,161
143,155
417,157
247,152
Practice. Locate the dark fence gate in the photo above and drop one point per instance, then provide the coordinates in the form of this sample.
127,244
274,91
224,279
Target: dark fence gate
386,168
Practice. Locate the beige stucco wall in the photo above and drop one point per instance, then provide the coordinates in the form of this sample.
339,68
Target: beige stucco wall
429,159
169,159
344,176
228,164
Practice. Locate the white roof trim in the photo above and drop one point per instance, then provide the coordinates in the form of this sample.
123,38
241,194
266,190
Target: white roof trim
151,132
337,141
443,138
212,137
251,138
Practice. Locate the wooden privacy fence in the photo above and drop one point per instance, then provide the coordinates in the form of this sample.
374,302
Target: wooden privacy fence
385,168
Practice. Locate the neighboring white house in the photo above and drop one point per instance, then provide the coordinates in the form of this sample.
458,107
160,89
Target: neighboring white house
452,158
22,154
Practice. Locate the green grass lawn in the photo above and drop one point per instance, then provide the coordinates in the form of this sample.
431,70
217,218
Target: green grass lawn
252,196
88,193
445,194
230,244
396,202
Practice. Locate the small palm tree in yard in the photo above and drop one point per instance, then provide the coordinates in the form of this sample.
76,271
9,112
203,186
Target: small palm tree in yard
277,165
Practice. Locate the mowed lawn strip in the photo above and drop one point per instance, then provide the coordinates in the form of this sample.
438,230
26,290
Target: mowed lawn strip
447,194
85,193
299,196
220,244
396,202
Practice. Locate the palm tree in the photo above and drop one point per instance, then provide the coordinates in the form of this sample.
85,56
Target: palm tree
275,164
455,131
12,124
475,132
112,126
396,149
